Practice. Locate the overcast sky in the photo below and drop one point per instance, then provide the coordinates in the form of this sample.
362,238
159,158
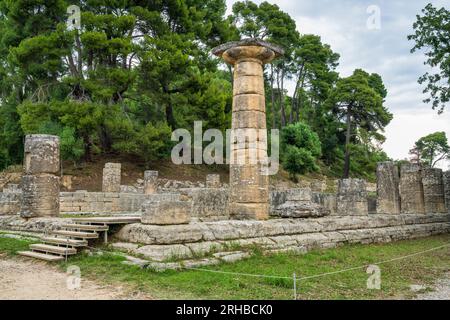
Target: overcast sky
343,25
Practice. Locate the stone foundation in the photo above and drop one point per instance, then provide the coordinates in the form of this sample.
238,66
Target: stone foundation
164,242
433,190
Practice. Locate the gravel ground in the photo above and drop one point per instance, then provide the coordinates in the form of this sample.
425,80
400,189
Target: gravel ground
34,280
441,290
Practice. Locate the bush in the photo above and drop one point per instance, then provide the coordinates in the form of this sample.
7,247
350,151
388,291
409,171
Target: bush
301,148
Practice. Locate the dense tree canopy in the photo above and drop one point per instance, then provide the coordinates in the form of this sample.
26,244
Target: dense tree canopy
136,70
431,149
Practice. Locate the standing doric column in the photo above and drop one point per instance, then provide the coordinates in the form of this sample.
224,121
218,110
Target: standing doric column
388,196
249,184
40,182
351,199
150,181
411,189
433,190
111,177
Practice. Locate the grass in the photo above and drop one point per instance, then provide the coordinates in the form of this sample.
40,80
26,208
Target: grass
396,277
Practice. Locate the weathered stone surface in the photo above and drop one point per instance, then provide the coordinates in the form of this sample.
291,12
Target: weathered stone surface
352,197
150,181
411,189
446,179
41,154
371,204
248,57
326,200
388,195
40,197
213,181
161,253
297,204
111,177
318,185
10,203
208,204
433,190
166,212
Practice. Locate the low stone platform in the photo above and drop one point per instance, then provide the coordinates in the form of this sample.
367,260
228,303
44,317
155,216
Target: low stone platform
183,241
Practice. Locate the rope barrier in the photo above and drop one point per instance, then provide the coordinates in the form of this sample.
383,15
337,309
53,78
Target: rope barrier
322,274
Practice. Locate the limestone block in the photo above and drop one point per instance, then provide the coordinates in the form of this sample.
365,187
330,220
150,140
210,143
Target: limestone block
372,204
248,119
111,177
411,189
41,154
248,85
243,211
388,195
166,213
150,181
161,253
292,209
352,197
327,200
433,190
40,196
248,68
299,195
208,204
446,179
10,203
213,181
249,102
249,194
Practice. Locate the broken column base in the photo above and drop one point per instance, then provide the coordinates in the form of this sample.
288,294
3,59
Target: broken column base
40,196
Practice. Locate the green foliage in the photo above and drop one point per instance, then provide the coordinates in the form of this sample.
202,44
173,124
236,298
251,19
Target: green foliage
432,33
301,148
432,148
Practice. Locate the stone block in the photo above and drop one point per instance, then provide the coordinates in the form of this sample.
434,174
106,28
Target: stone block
249,102
248,85
111,177
248,119
213,181
40,196
166,213
433,190
411,189
446,180
352,197
388,195
150,181
246,211
41,154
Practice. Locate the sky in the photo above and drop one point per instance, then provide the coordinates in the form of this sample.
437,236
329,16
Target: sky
381,48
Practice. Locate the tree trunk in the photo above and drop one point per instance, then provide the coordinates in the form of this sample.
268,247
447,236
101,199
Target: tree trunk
347,146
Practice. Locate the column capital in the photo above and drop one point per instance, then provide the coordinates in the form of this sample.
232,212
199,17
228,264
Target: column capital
248,49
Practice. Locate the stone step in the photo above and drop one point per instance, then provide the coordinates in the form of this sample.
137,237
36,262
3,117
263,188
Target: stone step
41,256
88,227
53,249
65,241
76,234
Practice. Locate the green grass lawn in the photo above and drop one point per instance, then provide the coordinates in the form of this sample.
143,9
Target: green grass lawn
396,277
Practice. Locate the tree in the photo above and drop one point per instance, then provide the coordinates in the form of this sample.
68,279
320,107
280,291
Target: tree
432,33
268,22
358,101
301,148
431,149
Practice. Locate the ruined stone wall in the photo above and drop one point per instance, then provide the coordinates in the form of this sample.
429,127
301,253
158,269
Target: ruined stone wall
40,182
207,204
433,190
352,197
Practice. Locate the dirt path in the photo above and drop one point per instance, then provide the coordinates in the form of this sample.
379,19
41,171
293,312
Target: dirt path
34,280
441,290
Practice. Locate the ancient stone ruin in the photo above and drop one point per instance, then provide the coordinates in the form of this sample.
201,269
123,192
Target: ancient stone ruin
40,182
388,195
249,187
159,219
